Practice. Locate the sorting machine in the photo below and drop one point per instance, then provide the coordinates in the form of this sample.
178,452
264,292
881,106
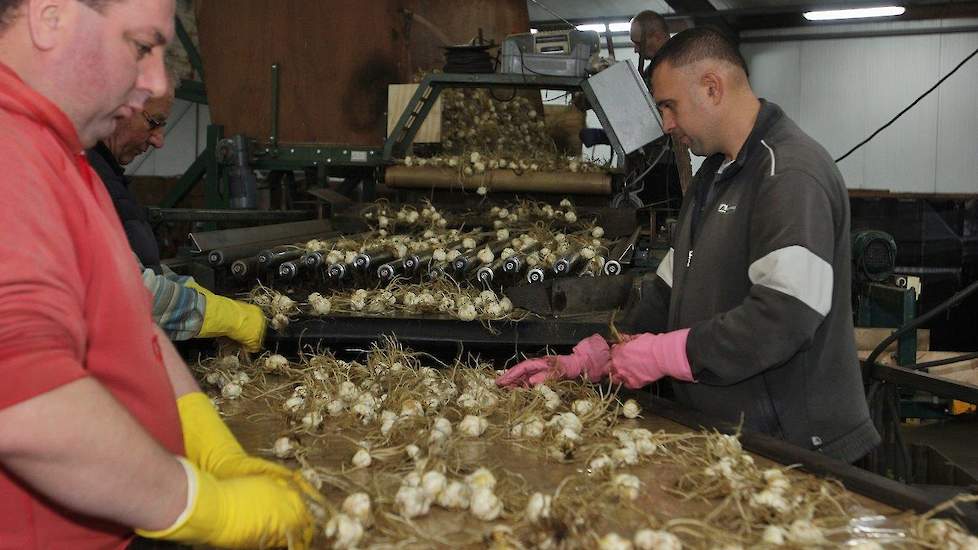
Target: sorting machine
565,308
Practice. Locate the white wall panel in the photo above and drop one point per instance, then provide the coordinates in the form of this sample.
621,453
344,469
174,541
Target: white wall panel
841,90
903,157
779,77
957,137
832,106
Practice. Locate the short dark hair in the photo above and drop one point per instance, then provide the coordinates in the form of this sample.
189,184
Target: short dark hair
697,44
9,7
650,20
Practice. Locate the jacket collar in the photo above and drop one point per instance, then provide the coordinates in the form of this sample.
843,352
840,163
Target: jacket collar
103,151
768,115
17,97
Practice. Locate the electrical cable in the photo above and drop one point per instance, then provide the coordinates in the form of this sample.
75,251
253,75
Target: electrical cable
915,102
946,361
882,396
917,322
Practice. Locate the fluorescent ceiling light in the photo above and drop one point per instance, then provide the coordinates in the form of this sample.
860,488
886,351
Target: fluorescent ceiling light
620,27
598,27
856,13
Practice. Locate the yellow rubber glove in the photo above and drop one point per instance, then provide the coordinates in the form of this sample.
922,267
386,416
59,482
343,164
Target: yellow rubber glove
211,446
244,323
241,512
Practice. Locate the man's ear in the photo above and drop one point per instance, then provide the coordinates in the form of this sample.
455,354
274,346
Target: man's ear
713,85
46,20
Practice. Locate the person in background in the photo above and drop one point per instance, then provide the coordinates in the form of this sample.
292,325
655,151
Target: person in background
181,307
648,32
103,430
750,316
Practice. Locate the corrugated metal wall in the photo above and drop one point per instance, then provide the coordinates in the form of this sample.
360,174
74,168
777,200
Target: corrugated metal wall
841,90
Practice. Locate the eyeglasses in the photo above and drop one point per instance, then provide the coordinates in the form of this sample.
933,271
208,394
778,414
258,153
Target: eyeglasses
153,122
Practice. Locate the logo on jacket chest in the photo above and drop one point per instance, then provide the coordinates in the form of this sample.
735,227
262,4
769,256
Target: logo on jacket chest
726,208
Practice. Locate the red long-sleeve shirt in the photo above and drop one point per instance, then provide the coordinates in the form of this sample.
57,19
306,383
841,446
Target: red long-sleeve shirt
72,304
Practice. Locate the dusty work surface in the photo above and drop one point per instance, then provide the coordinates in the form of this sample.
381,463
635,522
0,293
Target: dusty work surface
579,481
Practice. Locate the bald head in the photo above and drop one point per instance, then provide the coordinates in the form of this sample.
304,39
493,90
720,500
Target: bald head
648,33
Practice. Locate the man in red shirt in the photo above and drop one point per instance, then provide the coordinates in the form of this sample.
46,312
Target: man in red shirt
103,430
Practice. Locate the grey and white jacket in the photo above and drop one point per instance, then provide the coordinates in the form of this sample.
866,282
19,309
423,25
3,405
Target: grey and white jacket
759,271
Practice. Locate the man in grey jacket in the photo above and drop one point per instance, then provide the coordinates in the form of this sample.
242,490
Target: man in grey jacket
750,315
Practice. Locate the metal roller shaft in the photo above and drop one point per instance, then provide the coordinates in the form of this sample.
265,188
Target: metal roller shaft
337,271
364,260
288,270
242,269
274,256
313,260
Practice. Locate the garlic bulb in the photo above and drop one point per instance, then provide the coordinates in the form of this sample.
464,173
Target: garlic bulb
294,403
481,479
628,485
345,532
275,363
455,496
231,390
625,456
320,305
442,425
413,451
614,541
485,505
473,426
433,483
468,243
357,506
631,409
411,407
312,420
651,539
533,429
538,507
335,407
362,458
486,256
600,464
411,502
283,447
582,406
467,312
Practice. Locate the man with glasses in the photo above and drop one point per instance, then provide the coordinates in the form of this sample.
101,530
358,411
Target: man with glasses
181,307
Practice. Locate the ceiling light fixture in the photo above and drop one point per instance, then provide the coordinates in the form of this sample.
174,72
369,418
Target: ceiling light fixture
597,27
855,13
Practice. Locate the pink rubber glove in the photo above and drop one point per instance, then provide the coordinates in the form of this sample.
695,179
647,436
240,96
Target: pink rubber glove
644,358
590,357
